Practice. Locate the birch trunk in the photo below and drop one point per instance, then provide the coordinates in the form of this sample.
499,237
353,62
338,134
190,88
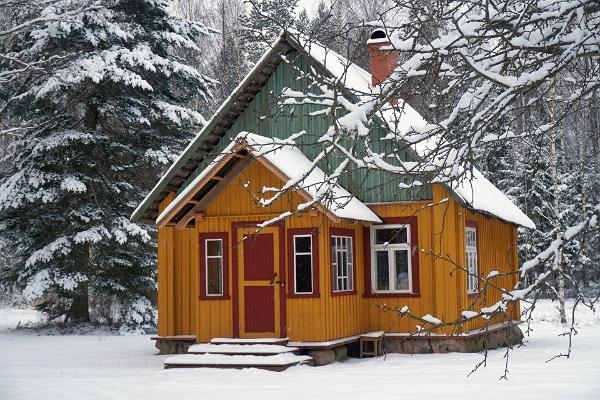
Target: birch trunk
558,264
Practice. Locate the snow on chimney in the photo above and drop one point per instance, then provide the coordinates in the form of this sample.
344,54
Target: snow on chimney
383,62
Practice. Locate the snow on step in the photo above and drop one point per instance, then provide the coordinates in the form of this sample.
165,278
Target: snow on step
277,362
376,334
279,341
250,349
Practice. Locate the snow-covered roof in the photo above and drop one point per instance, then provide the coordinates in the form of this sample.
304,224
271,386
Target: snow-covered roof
349,74
300,171
475,190
477,193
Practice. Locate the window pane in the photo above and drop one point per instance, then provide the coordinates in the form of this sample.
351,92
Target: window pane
349,247
401,257
213,248
472,281
471,237
342,263
383,270
303,273
302,244
391,236
214,276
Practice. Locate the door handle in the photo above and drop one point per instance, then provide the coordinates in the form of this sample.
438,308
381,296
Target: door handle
275,281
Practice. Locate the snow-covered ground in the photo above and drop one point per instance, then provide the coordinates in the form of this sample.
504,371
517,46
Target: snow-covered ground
10,318
42,366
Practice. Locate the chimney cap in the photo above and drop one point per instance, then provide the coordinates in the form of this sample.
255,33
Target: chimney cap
378,36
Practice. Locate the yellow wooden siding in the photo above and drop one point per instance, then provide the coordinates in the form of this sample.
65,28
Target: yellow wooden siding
322,318
442,285
497,251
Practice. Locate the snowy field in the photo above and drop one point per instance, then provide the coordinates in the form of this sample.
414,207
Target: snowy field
37,365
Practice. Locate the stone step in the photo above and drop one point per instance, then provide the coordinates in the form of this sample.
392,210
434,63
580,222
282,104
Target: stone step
279,362
241,349
277,341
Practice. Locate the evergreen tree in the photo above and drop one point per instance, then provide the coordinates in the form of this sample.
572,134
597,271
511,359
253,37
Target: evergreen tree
303,21
229,64
260,26
96,126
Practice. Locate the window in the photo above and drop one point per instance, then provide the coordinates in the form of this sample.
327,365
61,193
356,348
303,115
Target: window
214,267
342,259
391,259
303,262
472,267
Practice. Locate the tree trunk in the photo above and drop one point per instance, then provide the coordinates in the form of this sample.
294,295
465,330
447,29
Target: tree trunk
581,150
556,204
80,311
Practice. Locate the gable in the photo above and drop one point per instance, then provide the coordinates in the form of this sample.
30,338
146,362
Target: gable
253,107
282,158
239,197
265,116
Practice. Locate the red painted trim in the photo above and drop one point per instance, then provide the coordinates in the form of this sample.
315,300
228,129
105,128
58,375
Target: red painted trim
343,232
472,296
235,304
471,224
314,232
202,237
475,225
414,257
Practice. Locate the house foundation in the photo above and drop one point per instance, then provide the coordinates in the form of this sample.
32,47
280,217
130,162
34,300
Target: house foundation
173,344
472,342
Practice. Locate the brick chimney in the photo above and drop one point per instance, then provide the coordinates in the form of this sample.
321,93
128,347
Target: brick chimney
383,62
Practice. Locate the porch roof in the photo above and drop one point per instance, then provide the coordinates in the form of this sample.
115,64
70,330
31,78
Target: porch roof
284,159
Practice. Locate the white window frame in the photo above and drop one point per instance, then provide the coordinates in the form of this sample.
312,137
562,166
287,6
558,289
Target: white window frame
312,263
206,258
350,265
390,248
472,260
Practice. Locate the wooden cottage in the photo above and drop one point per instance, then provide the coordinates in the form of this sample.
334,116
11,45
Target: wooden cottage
318,276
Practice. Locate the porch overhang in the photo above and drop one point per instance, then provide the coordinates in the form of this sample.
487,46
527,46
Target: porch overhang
272,154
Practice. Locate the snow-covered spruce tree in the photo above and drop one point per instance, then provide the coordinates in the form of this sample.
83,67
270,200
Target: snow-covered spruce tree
95,127
263,22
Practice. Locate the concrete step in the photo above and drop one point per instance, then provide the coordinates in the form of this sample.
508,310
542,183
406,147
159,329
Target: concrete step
241,349
279,362
276,341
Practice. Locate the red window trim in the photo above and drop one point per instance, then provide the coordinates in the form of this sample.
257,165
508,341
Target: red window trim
202,237
414,257
474,224
349,233
314,232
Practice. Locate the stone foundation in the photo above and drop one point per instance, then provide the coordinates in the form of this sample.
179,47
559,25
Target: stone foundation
474,342
322,357
173,344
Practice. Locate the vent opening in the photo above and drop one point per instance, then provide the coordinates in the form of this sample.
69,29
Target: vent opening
378,34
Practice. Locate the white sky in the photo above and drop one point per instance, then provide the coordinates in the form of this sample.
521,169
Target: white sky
310,5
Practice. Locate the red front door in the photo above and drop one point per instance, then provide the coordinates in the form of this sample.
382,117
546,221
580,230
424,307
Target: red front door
258,282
